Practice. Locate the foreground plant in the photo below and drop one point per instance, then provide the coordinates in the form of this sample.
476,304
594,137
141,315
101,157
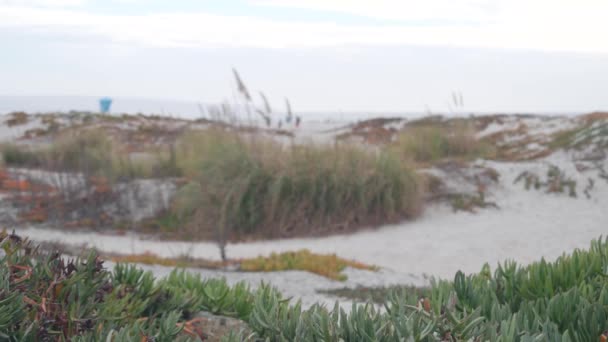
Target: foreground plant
566,300
44,298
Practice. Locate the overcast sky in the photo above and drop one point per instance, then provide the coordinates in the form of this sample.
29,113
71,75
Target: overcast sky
382,55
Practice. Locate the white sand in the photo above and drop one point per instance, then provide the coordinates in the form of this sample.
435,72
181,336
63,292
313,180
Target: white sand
12,134
529,225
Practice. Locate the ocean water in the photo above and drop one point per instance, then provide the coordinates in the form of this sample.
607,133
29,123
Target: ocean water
181,109
45,104
192,110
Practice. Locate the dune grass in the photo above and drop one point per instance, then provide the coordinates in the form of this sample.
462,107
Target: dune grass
429,142
90,152
253,186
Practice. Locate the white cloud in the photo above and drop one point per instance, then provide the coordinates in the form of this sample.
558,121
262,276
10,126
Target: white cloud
42,3
462,10
455,10
518,24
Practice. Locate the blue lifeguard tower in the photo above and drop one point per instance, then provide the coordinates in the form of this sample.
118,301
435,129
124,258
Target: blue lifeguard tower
104,105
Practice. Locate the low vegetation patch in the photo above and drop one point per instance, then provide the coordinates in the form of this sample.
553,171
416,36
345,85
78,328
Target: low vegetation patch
17,119
149,258
470,202
565,139
592,132
555,181
330,266
90,152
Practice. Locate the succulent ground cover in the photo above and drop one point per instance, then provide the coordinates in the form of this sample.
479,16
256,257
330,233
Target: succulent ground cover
46,297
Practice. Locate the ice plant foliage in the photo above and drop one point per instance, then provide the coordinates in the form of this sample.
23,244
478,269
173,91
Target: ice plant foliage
46,297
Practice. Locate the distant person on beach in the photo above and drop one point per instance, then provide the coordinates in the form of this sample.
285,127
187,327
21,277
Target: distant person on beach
298,120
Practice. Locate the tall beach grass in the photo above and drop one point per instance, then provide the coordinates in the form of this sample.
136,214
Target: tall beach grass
258,187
